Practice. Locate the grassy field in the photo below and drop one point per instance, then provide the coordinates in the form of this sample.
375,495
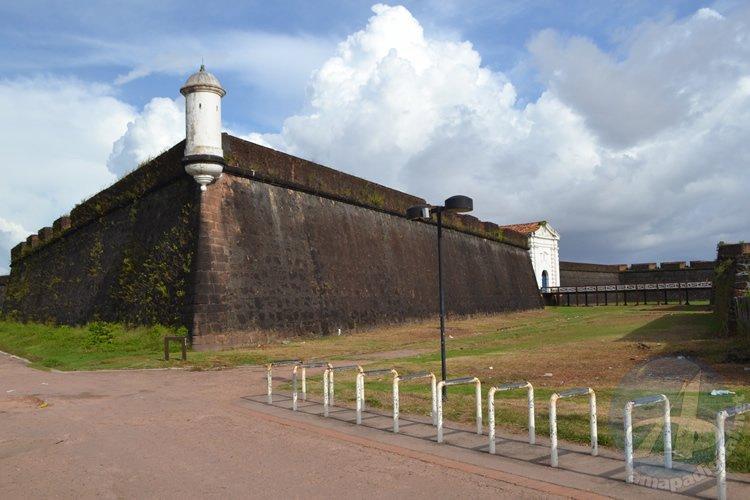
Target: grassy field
620,352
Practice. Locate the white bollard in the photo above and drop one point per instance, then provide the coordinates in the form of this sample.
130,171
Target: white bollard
434,399
302,368
458,381
269,374
628,424
721,452
592,424
269,382
667,434
326,395
396,397
440,412
358,395
553,429
395,405
361,385
478,394
294,387
721,456
328,376
361,393
532,415
491,409
330,382
578,391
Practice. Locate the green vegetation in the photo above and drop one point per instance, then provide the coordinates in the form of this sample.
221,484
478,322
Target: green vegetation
554,349
95,257
98,345
373,198
152,281
723,285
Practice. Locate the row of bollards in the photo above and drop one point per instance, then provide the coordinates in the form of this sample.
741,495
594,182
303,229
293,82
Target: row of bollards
436,410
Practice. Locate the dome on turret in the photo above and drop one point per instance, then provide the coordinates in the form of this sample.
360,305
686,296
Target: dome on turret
202,80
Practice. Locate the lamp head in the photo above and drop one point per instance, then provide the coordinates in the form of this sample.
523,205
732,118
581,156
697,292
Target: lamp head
418,212
459,204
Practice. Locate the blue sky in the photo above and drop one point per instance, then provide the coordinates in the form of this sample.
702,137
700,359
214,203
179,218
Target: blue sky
55,37
597,116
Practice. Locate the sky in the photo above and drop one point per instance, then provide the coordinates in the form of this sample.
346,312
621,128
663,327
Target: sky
624,124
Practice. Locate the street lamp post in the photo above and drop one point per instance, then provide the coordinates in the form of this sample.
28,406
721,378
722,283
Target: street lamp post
454,204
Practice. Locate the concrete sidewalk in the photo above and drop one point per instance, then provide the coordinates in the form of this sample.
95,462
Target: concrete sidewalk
579,474
192,434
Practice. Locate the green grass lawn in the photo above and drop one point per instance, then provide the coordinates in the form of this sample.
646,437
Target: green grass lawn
94,346
554,349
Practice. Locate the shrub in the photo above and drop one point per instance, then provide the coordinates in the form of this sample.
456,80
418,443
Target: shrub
100,334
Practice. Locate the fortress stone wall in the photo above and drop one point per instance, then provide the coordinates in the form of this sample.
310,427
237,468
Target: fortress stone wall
126,254
3,286
277,246
586,274
732,289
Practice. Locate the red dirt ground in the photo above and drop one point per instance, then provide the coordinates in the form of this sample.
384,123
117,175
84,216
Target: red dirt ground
175,433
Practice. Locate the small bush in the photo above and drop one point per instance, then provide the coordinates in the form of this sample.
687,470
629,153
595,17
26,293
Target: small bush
100,334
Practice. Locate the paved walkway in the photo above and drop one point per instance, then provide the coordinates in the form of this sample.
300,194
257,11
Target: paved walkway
175,433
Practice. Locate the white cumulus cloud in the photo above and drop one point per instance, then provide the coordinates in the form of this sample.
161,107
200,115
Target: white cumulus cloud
56,134
639,152
159,126
673,73
10,234
638,155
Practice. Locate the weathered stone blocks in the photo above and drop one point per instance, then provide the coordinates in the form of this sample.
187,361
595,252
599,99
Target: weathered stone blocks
277,246
45,234
61,225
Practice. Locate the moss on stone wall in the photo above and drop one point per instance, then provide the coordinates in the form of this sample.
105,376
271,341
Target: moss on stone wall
723,292
152,283
731,283
373,198
15,293
95,257
131,265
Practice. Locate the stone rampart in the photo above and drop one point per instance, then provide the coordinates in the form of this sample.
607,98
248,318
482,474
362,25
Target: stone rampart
585,274
278,245
3,286
732,283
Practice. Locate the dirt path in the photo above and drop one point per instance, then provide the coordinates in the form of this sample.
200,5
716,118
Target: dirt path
175,433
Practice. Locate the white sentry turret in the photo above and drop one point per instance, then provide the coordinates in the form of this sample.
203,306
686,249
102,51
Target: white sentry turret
204,157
